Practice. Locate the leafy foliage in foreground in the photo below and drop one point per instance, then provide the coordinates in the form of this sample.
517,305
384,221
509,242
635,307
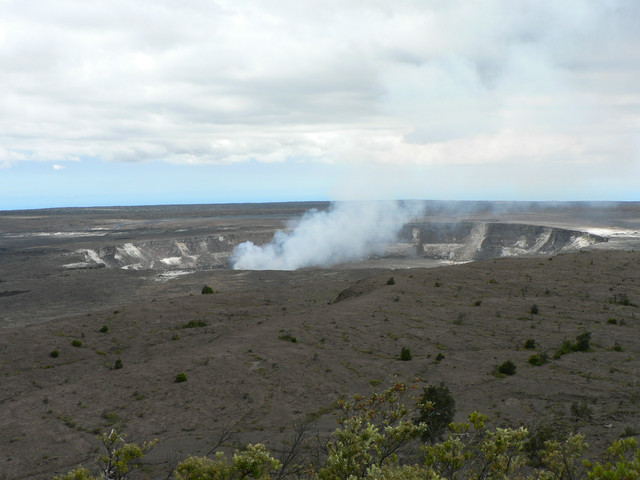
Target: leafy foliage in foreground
377,439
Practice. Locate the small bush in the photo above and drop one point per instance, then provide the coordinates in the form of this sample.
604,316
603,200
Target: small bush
438,413
405,354
582,342
207,290
539,435
287,337
391,281
534,309
582,345
439,357
118,365
181,377
538,359
612,321
507,368
530,344
76,343
581,410
477,303
195,324
54,354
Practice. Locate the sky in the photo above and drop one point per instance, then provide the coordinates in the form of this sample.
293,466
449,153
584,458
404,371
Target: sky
164,102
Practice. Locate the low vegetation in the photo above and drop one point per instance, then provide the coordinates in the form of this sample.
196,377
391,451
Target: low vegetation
377,439
405,354
507,368
582,344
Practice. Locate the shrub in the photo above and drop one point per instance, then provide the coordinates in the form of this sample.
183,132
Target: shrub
539,435
254,462
582,342
116,459
287,337
181,377
507,368
437,409
405,354
54,354
534,309
195,324
530,344
612,321
104,329
76,343
581,410
207,290
439,357
581,345
538,359
391,281
118,364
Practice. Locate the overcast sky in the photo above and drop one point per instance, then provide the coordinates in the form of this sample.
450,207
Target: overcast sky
154,102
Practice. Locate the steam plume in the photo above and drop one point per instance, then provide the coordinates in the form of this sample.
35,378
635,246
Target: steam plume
347,231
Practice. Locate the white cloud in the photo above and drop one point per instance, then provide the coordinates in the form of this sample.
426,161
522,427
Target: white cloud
57,166
354,81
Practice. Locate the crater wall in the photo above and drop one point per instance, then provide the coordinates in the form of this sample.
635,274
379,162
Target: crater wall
459,242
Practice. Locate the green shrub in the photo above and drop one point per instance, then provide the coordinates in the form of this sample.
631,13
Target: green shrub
54,354
612,321
582,345
539,435
391,281
76,343
287,337
437,409
530,344
439,357
104,329
405,354
582,342
118,364
207,290
538,359
195,324
181,377
507,368
534,309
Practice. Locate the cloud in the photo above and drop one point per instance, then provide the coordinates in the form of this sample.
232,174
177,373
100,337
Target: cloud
351,82
58,166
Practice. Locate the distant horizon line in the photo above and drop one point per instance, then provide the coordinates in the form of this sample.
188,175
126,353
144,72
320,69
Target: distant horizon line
285,202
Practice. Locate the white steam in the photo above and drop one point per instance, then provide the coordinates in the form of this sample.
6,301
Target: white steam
347,231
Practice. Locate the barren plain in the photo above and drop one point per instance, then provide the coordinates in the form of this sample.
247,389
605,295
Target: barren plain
101,286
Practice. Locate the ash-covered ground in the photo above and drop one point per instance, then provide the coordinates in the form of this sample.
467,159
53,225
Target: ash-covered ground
57,262
67,274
